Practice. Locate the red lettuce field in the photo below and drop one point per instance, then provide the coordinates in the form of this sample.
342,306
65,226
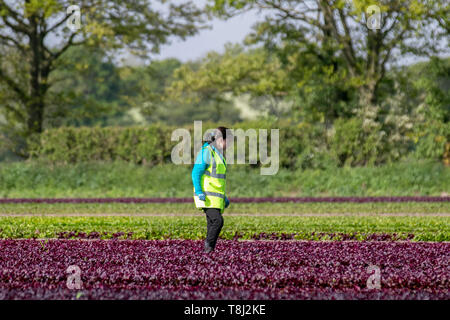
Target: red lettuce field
177,269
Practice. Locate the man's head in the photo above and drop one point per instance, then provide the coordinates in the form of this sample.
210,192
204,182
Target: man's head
219,137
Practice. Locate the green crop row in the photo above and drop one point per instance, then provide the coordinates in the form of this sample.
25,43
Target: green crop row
188,227
238,208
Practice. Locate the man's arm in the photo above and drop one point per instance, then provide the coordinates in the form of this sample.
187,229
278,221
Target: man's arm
200,165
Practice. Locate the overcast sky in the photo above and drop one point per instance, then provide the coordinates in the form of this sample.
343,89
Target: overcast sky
233,30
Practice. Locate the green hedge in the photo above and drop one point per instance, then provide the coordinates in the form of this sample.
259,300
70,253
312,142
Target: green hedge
301,145
75,145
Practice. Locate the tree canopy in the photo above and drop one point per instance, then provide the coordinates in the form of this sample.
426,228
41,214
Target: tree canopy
34,35
366,35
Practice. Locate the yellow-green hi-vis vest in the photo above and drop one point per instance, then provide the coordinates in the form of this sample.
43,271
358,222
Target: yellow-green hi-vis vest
213,183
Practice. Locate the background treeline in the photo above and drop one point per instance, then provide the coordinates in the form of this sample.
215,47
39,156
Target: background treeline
341,92
113,100
302,146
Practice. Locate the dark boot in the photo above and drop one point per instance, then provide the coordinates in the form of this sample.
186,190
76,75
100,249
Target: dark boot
208,248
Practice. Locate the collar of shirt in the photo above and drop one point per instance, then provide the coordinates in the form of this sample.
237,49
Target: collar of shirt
216,150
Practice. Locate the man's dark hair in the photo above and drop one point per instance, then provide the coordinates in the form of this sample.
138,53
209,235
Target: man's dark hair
218,132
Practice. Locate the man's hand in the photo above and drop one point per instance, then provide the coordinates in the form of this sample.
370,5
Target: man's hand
227,202
201,196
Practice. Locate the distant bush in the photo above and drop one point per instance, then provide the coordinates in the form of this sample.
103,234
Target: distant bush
356,143
432,139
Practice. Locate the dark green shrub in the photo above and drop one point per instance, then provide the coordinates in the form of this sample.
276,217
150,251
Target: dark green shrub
359,143
431,138
351,142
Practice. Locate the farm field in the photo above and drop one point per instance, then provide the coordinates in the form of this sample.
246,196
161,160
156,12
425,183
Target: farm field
267,250
177,269
242,227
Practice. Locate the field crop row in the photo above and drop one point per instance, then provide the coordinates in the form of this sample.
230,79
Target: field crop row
242,227
235,200
178,269
247,208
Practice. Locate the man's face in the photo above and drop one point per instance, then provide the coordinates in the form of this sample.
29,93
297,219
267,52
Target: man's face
222,143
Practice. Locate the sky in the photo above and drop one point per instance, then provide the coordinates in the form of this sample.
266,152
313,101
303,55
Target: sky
233,30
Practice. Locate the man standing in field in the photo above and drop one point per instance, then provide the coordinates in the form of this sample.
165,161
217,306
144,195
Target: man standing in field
209,179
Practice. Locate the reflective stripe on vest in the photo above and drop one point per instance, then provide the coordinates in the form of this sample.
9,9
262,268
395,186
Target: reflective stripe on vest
215,175
215,194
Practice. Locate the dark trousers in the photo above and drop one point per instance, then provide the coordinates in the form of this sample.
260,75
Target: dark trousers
214,225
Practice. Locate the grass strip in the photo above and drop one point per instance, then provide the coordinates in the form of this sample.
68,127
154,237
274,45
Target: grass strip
117,179
244,208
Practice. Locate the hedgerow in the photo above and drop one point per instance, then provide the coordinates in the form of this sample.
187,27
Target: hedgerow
301,145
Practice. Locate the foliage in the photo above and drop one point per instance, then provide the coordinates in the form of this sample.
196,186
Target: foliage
143,91
87,90
235,72
379,139
249,270
311,71
262,208
430,228
139,27
135,145
358,142
432,137
346,29
100,180
432,81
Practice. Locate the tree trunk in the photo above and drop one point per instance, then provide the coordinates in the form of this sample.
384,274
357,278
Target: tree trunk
35,106
35,115
367,94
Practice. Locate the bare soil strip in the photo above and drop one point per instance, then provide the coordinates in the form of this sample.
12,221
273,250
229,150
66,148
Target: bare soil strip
333,214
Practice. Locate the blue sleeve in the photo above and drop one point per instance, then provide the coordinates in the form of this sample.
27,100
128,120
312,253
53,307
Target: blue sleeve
200,165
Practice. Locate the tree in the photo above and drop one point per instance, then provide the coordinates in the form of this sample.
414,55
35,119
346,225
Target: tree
319,88
88,90
161,102
143,87
432,80
218,78
351,30
35,32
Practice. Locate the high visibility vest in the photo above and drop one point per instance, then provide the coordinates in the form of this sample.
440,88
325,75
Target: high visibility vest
213,183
